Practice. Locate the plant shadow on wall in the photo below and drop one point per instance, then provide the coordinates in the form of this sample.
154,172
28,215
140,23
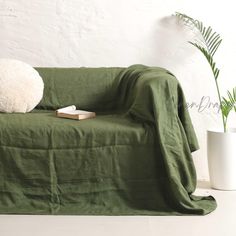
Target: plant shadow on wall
170,44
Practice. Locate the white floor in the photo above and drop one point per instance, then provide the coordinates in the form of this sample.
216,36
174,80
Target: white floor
222,222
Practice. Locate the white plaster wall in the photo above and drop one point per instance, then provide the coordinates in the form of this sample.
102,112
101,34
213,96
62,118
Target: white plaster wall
120,33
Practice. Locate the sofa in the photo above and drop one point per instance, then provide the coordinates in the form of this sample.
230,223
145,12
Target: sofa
134,158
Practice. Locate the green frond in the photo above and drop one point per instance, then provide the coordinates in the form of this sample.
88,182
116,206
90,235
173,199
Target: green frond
232,98
208,44
229,103
226,107
209,58
208,33
210,40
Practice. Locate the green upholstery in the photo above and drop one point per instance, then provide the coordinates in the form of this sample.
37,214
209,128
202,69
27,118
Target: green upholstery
134,158
95,89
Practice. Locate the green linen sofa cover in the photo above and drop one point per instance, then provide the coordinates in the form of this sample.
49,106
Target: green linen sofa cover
134,158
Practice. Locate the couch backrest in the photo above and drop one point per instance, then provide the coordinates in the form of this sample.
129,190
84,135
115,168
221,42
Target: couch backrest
87,88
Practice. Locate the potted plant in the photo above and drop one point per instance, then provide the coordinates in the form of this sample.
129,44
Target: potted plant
221,143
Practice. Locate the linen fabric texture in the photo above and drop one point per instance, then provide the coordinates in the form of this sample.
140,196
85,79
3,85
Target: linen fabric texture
134,158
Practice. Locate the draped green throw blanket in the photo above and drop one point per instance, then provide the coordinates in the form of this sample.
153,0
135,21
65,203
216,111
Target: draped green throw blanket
134,158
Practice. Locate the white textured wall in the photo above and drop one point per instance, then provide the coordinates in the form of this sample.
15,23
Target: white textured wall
121,33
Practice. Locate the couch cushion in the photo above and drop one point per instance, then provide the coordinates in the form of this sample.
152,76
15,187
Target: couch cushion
55,165
41,129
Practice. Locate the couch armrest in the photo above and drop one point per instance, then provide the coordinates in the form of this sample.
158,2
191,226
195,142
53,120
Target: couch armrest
154,95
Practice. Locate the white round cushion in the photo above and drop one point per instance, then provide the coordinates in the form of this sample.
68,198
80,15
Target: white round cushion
21,87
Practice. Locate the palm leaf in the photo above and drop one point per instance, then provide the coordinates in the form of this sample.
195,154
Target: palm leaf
210,40
229,103
209,59
208,44
232,98
225,107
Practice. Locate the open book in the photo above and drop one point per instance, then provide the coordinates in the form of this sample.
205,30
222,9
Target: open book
70,112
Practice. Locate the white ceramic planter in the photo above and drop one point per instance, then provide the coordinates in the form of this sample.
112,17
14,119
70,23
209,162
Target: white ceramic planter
222,159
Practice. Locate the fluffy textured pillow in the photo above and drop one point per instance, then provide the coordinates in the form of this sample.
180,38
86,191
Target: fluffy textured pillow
21,87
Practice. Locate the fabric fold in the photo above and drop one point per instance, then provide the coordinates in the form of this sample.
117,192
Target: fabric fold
159,98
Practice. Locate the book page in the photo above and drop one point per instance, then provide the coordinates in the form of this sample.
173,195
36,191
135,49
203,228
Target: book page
76,112
67,109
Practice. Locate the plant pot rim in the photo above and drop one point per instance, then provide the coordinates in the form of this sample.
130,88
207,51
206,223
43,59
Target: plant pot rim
220,131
